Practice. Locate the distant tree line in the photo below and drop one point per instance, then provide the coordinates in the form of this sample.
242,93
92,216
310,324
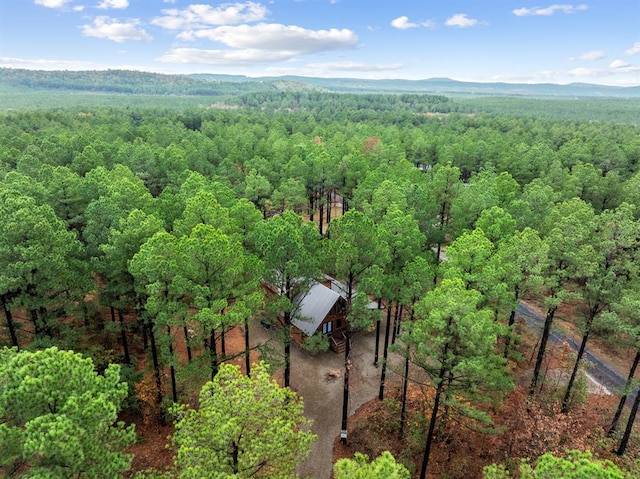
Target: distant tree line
125,81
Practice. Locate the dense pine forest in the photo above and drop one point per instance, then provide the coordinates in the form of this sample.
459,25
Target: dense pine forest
144,225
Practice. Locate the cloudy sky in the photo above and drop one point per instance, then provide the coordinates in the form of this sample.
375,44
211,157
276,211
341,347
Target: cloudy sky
480,40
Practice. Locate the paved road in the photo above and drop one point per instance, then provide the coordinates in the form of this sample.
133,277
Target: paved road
597,368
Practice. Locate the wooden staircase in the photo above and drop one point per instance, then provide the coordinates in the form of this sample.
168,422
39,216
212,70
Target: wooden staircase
338,343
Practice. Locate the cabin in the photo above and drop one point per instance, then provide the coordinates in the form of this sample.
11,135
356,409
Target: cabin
323,310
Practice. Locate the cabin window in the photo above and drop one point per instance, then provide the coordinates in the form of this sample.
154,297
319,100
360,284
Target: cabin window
338,323
327,327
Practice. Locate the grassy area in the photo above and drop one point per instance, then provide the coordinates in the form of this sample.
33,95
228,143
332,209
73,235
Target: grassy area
611,110
22,98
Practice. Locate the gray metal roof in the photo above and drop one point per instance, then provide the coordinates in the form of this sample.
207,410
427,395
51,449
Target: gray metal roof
341,288
314,307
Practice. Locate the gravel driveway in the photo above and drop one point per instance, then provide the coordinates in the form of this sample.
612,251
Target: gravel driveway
323,395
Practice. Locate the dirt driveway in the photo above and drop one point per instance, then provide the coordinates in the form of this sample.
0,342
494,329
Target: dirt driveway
323,396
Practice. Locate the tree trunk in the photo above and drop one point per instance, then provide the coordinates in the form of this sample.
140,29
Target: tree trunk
512,320
234,458
623,398
156,368
434,418
396,324
187,339
10,324
287,349
507,340
320,214
145,339
385,352
548,322
443,222
627,432
311,205
345,391
214,354
85,314
123,335
36,323
576,367
438,250
377,346
247,347
405,386
223,344
585,337
174,389
347,352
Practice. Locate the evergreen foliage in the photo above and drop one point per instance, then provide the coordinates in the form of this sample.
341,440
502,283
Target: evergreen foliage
244,427
58,416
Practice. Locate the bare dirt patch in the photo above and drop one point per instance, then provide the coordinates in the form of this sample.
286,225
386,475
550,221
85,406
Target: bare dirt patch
151,450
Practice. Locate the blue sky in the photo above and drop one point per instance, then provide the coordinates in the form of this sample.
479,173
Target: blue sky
530,41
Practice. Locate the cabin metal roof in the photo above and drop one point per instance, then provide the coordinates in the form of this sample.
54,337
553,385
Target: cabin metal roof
314,307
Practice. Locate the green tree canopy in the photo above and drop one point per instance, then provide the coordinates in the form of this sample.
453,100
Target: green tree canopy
290,249
40,263
453,341
245,427
58,416
577,465
382,467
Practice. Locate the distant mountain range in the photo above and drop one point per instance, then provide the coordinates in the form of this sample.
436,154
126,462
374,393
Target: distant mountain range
443,86
129,81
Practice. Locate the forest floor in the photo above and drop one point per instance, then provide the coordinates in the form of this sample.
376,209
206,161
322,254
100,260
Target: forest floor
373,425
317,379
152,451
522,427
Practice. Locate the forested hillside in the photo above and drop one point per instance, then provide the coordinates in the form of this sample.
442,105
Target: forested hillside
124,81
20,89
142,237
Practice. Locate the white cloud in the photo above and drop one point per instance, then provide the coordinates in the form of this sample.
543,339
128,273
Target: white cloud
200,16
112,29
222,57
592,55
634,50
619,73
276,37
616,64
460,20
120,4
52,3
550,10
42,64
48,64
262,43
403,23
584,72
355,66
